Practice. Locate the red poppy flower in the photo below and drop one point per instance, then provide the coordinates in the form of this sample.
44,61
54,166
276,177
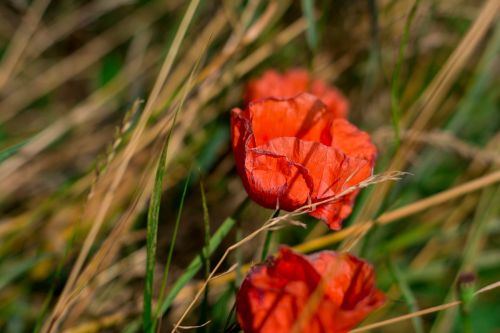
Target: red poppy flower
293,151
274,295
292,83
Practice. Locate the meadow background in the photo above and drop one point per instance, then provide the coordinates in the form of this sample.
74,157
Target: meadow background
118,191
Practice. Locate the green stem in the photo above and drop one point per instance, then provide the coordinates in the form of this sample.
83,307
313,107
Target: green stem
268,239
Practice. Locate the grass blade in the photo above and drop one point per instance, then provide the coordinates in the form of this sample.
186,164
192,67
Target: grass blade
395,87
154,210
408,296
172,243
206,228
267,243
312,31
206,258
15,270
197,263
153,215
12,150
152,233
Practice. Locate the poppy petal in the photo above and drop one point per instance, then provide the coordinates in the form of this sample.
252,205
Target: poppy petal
291,152
275,294
291,84
304,117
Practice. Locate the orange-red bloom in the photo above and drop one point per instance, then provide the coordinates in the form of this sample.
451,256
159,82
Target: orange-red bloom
293,151
292,83
273,296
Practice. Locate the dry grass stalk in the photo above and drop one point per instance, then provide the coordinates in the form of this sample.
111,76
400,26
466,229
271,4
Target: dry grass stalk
111,245
275,222
46,37
387,218
90,110
87,55
458,215
64,26
434,94
420,205
156,131
12,59
423,312
443,140
129,152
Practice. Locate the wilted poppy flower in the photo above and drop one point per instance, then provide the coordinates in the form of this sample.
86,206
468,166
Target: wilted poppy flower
274,295
292,83
290,152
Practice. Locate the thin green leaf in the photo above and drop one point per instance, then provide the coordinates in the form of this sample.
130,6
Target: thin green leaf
13,270
408,296
172,242
8,152
153,213
267,243
312,31
152,234
197,263
153,216
395,88
206,227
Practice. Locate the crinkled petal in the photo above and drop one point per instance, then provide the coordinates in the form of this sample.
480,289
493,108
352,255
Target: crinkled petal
328,171
290,152
304,117
274,295
276,182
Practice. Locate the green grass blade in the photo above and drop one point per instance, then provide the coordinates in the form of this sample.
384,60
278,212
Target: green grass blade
172,242
408,296
267,243
12,150
153,216
13,270
152,234
206,227
153,213
395,87
197,263
312,31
